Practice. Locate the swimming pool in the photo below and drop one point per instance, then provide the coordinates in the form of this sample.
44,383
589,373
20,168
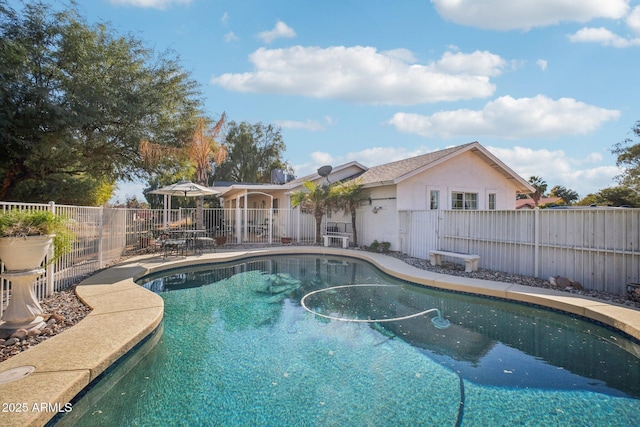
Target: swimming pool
238,348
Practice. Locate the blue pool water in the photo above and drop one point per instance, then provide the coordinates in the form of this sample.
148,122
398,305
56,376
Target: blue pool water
237,348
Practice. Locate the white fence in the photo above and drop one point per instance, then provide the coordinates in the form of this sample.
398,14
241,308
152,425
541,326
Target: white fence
600,248
103,235
100,239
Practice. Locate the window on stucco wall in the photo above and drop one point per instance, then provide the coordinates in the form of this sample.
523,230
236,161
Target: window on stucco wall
492,201
464,201
434,199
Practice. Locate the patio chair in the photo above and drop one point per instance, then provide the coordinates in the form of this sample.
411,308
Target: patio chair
207,241
174,247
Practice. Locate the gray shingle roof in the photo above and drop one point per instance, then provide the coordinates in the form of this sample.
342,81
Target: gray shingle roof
394,170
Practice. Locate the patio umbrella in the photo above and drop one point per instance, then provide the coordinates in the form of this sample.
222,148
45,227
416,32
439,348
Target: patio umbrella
183,188
186,189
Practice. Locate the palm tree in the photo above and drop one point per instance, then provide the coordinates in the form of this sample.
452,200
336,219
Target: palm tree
348,197
540,185
315,199
202,151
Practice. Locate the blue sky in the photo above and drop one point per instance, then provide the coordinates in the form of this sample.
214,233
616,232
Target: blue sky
549,86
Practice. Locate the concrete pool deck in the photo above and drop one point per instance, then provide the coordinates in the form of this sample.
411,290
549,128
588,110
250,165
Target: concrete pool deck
124,314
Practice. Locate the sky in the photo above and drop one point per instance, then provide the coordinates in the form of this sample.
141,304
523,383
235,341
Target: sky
548,86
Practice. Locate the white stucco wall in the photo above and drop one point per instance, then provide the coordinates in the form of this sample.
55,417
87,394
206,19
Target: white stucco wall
465,173
382,225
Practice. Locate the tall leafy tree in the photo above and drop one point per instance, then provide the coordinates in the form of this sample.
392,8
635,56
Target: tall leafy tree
76,100
316,199
628,154
347,196
254,151
613,196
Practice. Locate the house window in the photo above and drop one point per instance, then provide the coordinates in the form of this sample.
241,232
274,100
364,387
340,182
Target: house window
464,201
492,201
434,199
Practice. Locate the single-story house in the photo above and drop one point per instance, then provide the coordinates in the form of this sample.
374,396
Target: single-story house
462,177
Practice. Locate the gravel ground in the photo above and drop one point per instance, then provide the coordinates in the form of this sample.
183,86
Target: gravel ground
63,309
454,269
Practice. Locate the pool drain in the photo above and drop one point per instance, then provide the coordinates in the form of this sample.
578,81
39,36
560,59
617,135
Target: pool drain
15,374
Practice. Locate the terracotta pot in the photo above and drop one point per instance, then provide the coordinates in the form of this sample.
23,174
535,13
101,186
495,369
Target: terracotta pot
220,240
24,253
285,240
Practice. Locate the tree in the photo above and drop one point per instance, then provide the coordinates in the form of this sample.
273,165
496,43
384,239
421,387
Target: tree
254,151
629,158
314,199
568,196
201,151
613,196
76,100
347,196
540,185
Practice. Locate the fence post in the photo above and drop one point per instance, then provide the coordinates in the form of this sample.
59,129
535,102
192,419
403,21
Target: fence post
49,269
100,227
536,242
440,219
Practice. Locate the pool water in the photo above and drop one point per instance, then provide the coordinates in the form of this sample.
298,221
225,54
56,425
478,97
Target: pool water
237,348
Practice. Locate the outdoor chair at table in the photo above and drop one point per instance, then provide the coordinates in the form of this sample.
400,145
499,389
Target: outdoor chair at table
195,239
206,240
175,243
175,247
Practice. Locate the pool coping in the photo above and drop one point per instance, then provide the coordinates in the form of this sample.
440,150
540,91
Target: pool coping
125,313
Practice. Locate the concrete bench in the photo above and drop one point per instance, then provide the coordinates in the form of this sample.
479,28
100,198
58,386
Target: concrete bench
344,237
470,261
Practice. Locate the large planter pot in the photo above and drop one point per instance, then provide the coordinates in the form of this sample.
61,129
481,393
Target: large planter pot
24,253
22,257
285,240
220,240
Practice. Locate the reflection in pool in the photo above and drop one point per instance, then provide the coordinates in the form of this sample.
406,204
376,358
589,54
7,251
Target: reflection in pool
238,348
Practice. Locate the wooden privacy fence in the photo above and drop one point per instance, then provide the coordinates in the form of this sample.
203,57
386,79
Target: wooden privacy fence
600,247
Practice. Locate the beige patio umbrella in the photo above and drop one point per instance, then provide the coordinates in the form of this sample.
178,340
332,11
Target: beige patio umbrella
186,189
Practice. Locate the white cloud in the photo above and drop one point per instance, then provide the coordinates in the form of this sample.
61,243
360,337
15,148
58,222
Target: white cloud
230,37
281,30
526,14
542,64
310,125
633,20
364,75
154,4
556,167
476,63
510,118
602,36
225,18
